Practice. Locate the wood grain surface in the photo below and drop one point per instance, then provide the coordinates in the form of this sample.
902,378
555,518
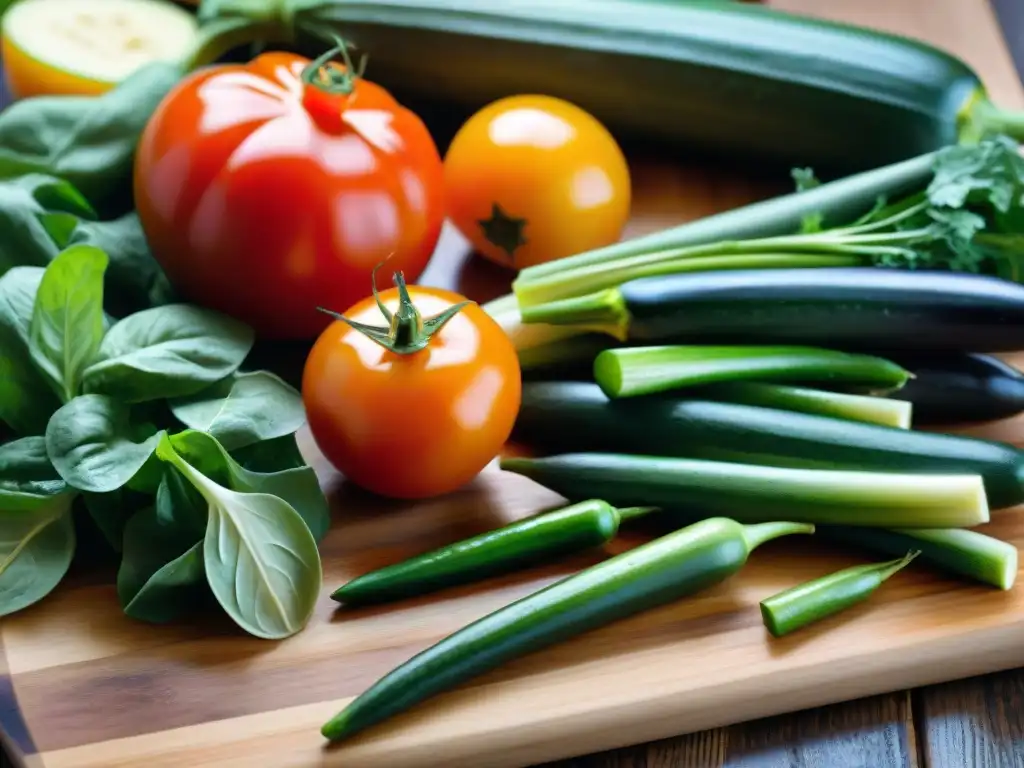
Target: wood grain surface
82,685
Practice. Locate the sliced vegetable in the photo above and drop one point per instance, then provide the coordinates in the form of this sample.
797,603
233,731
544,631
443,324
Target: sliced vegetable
962,219
959,388
666,569
841,405
752,493
415,408
633,371
965,553
855,308
532,178
70,47
532,540
806,603
577,416
361,182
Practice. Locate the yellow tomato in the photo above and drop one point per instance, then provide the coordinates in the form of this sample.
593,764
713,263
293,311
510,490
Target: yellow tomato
533,178
86,47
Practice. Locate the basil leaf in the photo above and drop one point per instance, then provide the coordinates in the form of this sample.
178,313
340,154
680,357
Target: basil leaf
36,548
67,320
299,486
28,480
92,444
271,455
88,140
243,409
261,561
161,571
26,400
170,351
134,280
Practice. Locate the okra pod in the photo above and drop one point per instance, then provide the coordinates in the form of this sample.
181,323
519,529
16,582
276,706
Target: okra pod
812,601
661,571
524,542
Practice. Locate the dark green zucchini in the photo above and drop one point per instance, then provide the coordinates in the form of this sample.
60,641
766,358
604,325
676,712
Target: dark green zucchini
955,389
730,78
557,417
856,308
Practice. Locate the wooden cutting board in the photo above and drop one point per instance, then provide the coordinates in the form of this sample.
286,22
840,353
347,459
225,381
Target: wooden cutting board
84,686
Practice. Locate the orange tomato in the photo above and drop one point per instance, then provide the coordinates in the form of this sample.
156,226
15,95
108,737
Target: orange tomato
265,191
534,178
412,424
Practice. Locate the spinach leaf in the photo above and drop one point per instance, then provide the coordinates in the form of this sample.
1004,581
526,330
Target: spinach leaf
111,511
161,573
261,561
89,141
26,400
243,409
94,445
36,548
271,455
36,212
299,486
67,320
134,280
169,591
170,351
28,480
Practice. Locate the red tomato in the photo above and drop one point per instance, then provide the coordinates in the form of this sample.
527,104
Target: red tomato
264,196
417,424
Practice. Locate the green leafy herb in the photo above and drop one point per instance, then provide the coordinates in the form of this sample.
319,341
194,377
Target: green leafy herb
297,486
110,511
244,409
26,399
165,352
27,478
94,445
67,318
162,574
36,548
36,214
134,280
261,560
88,141
271,455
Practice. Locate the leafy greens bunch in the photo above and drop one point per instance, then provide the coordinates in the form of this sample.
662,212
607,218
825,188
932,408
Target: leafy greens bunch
147,427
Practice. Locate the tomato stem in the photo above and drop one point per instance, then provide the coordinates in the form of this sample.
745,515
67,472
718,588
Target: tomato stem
325,76
406,332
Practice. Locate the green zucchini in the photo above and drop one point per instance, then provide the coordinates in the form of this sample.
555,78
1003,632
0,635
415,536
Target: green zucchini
577,416
853,308
733,79
748,493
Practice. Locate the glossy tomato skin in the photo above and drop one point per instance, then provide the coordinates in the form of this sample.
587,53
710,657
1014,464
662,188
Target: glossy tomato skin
418,425
533,178
264,203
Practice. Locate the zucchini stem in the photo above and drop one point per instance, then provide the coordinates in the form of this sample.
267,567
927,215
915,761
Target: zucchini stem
757,534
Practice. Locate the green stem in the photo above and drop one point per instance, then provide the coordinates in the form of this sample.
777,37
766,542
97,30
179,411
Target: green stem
631,513
602,312
775,253
407,332
757,534
986,119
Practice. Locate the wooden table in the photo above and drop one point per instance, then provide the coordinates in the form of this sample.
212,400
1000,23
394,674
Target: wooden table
976,722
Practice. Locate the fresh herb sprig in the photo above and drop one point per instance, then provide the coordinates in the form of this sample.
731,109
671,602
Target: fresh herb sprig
186,465
968,217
